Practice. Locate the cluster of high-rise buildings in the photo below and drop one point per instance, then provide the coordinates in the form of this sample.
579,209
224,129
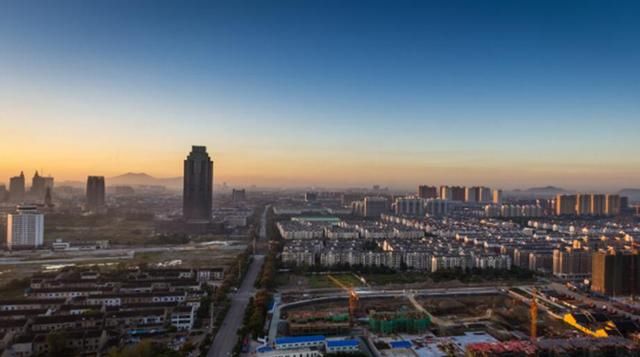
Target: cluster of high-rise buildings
613,271
588,204
371,206
514,210
474,194
39,192
25,226
616,272
429,200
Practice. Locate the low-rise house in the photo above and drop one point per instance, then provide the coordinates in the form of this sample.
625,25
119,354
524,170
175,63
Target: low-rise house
86,342
12,326
210,274
13,305
288,343
341,346
66,292
104,300
65,322
183,318
21,314
135,318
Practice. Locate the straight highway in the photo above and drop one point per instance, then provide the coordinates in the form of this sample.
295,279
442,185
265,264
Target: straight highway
227,337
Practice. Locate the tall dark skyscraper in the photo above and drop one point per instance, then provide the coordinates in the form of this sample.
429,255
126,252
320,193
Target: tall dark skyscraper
16,188
95,193
427,192
197,195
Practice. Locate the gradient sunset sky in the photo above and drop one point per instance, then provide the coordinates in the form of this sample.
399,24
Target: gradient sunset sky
331,93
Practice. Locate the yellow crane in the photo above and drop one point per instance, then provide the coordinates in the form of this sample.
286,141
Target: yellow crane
353,297
533,311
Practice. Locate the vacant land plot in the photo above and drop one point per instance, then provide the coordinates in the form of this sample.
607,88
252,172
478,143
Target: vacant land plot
14,277
315,281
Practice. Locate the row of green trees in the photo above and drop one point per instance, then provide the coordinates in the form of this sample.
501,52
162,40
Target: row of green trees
255,315
463,275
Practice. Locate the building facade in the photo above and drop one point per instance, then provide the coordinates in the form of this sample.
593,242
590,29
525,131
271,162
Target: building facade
39,186
375,206
566,204
572,264
409,206
612,205
238,195
427,192
616,273
25,228
197,195
95,193
16,188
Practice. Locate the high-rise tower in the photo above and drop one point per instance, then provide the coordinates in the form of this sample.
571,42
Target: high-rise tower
16,188
197,194
95,194
25,228
39,186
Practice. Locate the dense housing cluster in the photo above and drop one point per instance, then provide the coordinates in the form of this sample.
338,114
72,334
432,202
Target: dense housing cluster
96,310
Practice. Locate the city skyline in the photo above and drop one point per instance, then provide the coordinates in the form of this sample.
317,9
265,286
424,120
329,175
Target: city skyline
325,94
400,183
319,178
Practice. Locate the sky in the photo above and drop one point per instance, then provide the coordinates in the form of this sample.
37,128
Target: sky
333,93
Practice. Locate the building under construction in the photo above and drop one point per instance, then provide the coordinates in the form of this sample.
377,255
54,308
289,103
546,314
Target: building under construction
585,346
318,323
390,322
616,273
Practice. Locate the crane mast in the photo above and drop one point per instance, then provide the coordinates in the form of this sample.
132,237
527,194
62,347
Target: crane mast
353,297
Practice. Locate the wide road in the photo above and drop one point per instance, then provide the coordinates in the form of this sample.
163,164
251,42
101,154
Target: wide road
226,337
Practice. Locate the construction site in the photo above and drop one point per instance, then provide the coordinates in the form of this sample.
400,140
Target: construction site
517,321
336,318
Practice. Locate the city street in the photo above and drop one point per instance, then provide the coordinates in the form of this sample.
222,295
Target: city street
226,337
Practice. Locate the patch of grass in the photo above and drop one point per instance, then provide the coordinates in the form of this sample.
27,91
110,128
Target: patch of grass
147,257
323,281
14,288
397,278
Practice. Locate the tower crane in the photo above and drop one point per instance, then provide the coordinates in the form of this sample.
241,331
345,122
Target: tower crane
353,297
533,311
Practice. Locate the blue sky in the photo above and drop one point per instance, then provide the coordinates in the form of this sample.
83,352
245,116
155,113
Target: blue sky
331,93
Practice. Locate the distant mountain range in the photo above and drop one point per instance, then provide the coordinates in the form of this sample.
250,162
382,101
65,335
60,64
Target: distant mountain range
539,192
632,193
143,179
548,190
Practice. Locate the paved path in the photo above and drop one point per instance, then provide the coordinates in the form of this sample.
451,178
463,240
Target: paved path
226,337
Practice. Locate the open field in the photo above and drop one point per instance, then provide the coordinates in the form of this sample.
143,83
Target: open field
87,229
20,265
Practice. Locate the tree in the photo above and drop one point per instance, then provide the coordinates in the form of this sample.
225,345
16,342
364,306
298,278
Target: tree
57,341
145,348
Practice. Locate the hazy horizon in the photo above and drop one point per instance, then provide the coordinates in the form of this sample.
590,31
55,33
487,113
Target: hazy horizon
245,182
332,94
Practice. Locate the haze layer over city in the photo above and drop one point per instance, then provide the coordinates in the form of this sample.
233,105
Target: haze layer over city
319,178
